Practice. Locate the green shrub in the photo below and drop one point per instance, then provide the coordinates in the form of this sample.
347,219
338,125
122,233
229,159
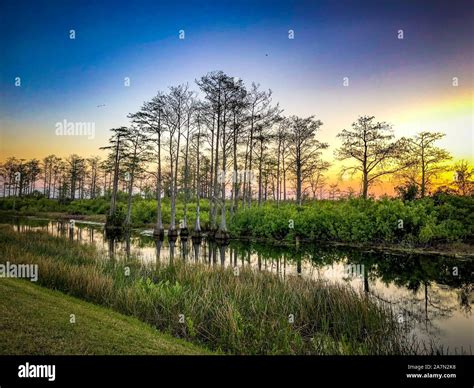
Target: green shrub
356,220
443,218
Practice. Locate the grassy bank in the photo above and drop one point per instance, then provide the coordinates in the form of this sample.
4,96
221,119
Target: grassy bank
253,313
36,321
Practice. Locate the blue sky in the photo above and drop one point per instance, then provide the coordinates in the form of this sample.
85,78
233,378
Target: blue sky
389,78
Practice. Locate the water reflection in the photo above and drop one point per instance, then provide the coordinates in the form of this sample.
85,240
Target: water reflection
431,296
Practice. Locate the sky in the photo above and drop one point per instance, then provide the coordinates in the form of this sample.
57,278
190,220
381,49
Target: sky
407,82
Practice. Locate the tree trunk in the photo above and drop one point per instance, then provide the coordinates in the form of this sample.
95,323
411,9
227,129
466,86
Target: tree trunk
365,185
223,226
423,171
45,179
129,201
197,226
216,166
159,221
186,177
130,187
236,182
113,204
260,178
298,182
249,198
278,183
284,178
175,183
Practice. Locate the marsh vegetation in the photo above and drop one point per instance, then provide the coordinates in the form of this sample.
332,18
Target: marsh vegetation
255,299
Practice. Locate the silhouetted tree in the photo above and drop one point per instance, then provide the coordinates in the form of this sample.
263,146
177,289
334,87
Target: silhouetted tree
304,149
425,160
371,146
463,181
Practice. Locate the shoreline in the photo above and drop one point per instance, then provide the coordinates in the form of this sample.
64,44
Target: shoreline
459,250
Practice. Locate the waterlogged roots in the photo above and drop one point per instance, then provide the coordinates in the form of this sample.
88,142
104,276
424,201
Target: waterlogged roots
159,233
237,313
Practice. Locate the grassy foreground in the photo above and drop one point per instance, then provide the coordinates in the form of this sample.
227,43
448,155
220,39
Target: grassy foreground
252,313
35,320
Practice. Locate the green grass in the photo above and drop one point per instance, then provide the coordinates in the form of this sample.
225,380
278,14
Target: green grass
245,314
36,321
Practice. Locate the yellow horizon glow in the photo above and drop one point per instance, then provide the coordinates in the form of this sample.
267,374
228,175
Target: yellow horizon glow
449,111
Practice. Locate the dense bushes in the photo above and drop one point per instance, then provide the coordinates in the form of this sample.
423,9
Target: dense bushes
87,206
356,220
442,218
143,210
29,204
